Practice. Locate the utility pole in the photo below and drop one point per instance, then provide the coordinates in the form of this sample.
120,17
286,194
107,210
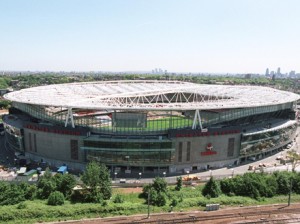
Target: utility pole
290,192
149,192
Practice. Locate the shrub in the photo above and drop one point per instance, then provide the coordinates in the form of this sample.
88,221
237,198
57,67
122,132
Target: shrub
160,200
12,194
178,183
211,188
254,185
66,184
118,199
146,189
21,205
45,187
174,202
227,187
77,196
160,184
56,198
283,180
296,183
158,191
29,190
93,197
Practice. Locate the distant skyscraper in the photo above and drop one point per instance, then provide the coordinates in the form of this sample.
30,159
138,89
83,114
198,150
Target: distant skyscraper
278,71
267,72
292,74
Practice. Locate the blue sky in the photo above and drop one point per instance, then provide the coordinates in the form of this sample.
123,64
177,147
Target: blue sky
227,36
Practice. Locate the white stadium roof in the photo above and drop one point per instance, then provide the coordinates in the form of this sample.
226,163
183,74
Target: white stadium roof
150,95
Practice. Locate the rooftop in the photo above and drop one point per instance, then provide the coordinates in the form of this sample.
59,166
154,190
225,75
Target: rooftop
150,95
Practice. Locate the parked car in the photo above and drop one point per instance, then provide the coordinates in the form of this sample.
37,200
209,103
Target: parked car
252,158
62,170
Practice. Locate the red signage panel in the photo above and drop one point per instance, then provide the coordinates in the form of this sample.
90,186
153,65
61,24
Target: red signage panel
208,153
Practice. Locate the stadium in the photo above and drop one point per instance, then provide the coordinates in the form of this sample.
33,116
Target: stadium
149,126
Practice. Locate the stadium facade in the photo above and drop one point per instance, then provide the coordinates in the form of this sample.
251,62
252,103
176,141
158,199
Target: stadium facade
149,126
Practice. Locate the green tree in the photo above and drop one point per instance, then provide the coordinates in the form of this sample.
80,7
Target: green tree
227,186
97,182
160,199
283,180
45,185
178,183
29,190
294,156
160,184
11,195
5,104
254,185
105,182
157,190
65,184
211,188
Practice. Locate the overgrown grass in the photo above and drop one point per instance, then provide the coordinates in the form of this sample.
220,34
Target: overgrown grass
189,198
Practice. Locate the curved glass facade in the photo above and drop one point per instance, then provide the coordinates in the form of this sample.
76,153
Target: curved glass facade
266,141
14,137
130,153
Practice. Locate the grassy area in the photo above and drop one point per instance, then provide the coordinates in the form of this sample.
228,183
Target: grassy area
157,125
189,198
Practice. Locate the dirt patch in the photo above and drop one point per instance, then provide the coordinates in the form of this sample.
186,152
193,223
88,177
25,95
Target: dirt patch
129,190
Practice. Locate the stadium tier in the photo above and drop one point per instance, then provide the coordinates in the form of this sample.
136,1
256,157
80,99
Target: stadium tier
149,126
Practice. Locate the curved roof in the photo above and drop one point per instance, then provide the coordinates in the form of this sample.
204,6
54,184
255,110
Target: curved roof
150,95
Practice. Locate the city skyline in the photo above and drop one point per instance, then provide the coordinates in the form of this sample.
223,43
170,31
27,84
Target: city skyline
177,36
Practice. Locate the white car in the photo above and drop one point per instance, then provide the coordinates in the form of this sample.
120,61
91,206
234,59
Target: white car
252,158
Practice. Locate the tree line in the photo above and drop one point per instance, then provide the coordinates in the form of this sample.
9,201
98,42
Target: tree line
95,187
254,185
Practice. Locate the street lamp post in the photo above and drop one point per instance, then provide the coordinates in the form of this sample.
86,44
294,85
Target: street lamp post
140,175
115,175
127,157
39,171
164,173
188,173
232,172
